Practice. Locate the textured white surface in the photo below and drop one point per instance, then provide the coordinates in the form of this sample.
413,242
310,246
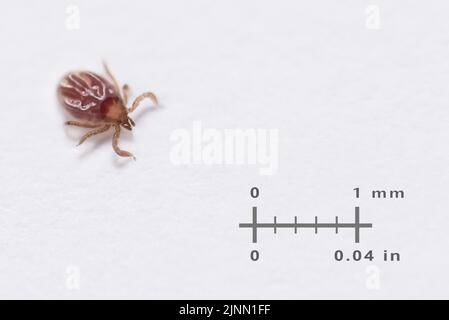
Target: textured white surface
354,107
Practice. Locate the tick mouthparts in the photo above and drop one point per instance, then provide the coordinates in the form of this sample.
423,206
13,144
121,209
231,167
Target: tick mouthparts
128,124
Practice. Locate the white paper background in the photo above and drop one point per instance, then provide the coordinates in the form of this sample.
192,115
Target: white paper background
354,107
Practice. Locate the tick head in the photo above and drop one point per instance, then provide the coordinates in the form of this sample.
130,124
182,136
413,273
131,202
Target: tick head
127,123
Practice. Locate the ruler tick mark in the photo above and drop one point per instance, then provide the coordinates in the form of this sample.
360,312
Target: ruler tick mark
275,225
296,224
336,224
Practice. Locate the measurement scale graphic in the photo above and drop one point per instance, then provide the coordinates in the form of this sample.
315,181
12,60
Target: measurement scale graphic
356,225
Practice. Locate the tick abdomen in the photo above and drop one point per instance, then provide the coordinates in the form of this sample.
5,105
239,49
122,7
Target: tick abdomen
88,96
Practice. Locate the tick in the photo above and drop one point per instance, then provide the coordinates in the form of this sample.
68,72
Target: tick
99,105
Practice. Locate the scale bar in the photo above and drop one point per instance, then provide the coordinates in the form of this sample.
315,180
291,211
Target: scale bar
316,225
306,225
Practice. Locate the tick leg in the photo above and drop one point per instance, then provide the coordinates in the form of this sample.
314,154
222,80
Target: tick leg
120,152
81,124
111,76
139,99
94,132
125,92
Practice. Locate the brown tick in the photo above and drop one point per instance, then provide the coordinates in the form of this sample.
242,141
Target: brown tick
98,104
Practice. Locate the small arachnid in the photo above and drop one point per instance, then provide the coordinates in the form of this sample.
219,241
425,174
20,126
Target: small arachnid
98,104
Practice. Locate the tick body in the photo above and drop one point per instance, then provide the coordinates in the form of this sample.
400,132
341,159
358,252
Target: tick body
98,104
